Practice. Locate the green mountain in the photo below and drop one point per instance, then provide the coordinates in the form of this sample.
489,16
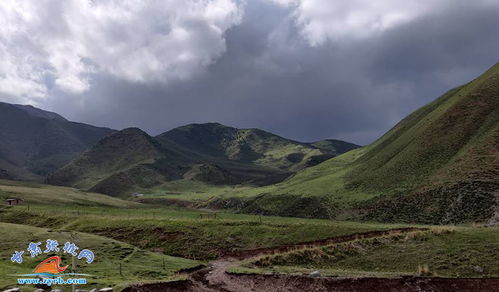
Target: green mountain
216,142
131,160
438,165
34,142
441,161
121,161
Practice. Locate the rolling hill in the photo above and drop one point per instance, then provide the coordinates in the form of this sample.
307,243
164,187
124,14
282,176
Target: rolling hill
131,160
438,165
34,142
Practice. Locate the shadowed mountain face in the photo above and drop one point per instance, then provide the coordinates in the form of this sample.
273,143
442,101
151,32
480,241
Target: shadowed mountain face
211,153
126,159
34,142
216,142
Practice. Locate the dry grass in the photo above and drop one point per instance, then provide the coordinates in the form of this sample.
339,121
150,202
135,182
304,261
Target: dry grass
339,250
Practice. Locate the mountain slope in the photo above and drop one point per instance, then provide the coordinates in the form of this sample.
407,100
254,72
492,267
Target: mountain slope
445,162
438,165
213,141
131,160
449,140
123,160
34,142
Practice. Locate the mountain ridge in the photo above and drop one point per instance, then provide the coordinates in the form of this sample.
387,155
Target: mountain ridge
215,140
34,142
210,152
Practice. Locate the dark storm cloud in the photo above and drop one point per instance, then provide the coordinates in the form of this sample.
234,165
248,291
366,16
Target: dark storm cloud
271,77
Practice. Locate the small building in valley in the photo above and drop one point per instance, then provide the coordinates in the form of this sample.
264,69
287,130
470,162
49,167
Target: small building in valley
14,201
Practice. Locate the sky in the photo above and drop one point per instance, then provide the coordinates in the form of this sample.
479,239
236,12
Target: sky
303,69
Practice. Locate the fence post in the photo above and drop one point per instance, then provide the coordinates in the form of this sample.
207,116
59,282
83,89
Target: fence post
73,259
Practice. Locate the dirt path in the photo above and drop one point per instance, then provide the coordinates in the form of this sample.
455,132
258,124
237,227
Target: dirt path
214,278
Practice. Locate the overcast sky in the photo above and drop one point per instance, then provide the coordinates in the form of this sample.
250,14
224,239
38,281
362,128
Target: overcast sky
303,69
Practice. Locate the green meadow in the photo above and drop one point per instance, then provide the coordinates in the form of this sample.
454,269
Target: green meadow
150,243
156,242
136,264
182,232
456,252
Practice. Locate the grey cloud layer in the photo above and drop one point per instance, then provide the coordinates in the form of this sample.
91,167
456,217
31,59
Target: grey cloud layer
139,41
272,76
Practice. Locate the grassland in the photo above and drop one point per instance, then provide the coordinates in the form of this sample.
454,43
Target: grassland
36,194
184,233
318,191
455,252
194,234
136,264
188,190
321,180
154,242
173,231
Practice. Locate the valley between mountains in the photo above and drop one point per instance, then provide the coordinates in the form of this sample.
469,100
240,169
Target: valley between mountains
209,207
439,165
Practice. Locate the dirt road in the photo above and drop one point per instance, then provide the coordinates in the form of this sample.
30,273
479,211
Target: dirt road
215,278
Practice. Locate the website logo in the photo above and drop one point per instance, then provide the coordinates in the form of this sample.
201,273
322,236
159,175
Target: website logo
51,271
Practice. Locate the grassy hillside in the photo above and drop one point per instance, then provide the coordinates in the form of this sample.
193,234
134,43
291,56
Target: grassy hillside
438,165
121,162
131,160
442,162
443,252
176,231
450,140
137,265
167,228
34,142
35,194
216,141
183,233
